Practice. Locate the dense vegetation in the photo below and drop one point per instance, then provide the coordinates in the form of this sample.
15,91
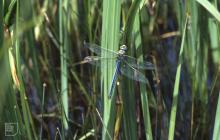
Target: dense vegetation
49,91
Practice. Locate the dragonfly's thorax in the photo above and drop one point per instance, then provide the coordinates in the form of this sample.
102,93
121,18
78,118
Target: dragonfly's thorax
122,50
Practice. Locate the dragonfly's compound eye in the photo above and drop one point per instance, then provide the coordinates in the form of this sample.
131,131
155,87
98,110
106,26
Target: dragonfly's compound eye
123,47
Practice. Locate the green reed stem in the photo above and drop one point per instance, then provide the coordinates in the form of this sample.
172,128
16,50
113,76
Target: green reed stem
176,87
63,61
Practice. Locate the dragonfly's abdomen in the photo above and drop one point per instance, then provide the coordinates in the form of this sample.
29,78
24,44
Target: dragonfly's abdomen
114,79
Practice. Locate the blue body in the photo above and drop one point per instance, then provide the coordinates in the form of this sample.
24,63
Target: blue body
114,79
125,65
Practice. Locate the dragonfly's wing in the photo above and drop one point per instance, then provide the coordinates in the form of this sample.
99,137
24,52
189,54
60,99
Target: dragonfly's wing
131,60
132,73
142,65
96,60
98,50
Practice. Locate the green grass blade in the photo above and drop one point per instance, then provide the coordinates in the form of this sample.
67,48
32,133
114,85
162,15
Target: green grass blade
24,103
63,55
42,110
214,30
216,133
9,13
212,9
110,40
1,24
2,93
176,87
127,88
129,109
130,21
27,13
143,91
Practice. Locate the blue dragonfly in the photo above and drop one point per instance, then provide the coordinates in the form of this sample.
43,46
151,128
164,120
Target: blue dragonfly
124,64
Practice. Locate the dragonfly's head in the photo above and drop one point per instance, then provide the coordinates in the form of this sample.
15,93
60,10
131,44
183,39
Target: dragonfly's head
122,50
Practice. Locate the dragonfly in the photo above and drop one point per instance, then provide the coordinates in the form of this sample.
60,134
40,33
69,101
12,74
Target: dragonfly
124,64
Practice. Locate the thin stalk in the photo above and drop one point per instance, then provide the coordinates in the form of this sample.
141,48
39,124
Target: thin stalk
42,111
63,61
211,8
110,40
1,24
143,87
21,87
216,133
176,87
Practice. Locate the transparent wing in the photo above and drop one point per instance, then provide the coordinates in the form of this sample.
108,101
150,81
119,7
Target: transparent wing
132,73
97,50
112,54
96,60
133,63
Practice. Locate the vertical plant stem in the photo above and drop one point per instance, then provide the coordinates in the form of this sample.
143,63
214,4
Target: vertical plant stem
1,24
143,91
176,87
63,60
128,93
110,40
1,63
24,103
208,6
42,111
216,133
